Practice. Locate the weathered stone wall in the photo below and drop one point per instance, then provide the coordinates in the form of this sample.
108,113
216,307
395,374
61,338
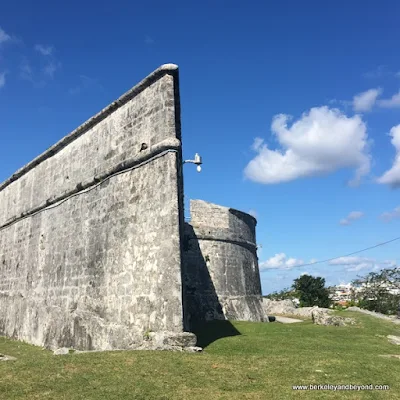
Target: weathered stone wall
221,274
89,258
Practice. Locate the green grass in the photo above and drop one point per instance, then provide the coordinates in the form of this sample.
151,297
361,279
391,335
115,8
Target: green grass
262,362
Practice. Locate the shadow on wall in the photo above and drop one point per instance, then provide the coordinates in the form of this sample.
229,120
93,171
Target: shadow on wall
203,313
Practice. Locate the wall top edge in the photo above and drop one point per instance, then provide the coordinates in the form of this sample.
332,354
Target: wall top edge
194,202
91,122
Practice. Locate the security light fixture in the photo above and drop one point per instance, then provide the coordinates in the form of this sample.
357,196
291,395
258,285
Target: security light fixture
197,160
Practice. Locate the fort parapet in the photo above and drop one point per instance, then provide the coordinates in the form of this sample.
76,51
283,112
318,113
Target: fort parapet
92,238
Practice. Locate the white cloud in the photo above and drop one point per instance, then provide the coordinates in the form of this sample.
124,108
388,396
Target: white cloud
4,37
51,68
353,216
379,72
85,83
280,261
52,64
44,50
392,176
25,71
389,215
365,101
2,79
350,260
393,102
257,144
361,263
321,141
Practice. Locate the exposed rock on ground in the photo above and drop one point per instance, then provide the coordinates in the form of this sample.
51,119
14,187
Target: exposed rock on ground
323,318
61,351
393,319
390,355
287,307
5,357
394,339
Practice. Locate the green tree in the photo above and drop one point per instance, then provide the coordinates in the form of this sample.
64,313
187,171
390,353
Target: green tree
379,291
281,295
311,291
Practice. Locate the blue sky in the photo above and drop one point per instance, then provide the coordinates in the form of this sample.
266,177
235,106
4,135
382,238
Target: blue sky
323,182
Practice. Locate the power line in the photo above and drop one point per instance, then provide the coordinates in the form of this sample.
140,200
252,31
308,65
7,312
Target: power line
347,255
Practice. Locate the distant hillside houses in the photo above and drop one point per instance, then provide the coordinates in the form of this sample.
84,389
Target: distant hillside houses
347,291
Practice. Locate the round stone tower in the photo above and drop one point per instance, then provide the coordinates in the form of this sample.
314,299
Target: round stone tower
221,275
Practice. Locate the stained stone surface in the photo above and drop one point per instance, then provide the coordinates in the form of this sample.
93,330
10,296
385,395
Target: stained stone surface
221,275
102,267
94,252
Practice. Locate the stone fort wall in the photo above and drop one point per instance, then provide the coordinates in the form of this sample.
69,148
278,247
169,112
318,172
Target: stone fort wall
90,250
221,274
94,251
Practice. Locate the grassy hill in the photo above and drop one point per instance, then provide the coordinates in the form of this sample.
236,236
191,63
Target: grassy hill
242,360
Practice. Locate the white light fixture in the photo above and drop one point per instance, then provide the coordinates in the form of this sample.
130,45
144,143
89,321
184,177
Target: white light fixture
197,160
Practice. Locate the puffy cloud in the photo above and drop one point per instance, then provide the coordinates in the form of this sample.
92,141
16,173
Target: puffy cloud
392,176
360,263
44,50
25,70
365,101
379,72
388,216
323,140
393,102
280,261
51,68
350,260
52,64
4,37
353,216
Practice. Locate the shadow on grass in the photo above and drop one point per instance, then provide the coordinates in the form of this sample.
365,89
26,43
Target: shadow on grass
209,332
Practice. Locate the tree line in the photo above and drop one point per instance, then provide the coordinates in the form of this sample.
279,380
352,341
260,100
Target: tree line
376,291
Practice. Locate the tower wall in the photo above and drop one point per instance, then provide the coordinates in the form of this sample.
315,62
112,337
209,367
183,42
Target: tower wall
222,279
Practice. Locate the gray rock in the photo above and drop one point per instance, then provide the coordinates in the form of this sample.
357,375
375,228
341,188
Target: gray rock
394,339
5,357
390,355
193,349
61,351
184,339
287,307
322,318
